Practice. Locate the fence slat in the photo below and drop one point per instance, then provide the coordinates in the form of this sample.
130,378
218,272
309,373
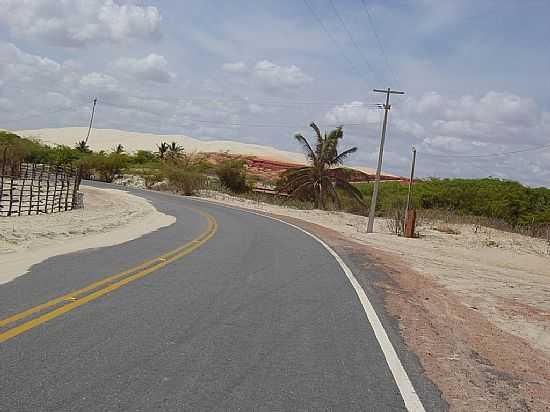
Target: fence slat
29,188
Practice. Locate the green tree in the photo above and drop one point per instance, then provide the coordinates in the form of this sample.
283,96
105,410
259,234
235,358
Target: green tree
321,179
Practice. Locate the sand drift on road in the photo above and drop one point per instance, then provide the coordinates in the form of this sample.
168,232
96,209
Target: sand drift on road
110,217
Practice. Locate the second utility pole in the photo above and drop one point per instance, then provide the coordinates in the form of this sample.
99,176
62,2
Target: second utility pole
91,120
374,199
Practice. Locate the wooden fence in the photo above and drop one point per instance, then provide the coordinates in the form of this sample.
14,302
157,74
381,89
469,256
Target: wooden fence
32,189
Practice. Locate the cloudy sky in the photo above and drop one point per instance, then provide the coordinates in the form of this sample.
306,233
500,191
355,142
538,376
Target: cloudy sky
476,74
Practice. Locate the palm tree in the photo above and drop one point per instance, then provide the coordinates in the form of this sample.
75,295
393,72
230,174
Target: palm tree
162,149
119,149
174,150
83,147
321,178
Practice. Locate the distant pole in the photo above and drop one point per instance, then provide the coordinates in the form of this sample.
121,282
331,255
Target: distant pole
374,199
91,120
411,180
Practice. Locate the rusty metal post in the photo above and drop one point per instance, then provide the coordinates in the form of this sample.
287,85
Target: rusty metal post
410,223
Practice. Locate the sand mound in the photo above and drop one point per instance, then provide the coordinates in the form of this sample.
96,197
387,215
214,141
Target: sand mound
107,139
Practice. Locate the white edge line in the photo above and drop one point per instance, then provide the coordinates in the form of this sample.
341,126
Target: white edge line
408,393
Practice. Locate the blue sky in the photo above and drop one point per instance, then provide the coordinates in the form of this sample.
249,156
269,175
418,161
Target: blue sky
475,74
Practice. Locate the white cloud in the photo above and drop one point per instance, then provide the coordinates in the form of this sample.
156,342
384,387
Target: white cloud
18,66
280,76
79,22
496,117
152,67
354,112
236,67
99,82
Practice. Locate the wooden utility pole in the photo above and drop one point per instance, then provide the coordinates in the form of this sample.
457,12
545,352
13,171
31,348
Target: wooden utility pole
411,179
410,215
91,120
374,199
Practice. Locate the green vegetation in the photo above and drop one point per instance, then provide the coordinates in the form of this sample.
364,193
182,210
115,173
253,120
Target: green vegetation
505,200
503,204
184,172
232,175
321,180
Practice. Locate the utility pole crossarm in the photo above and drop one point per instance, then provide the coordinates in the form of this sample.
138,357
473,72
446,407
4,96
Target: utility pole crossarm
388,91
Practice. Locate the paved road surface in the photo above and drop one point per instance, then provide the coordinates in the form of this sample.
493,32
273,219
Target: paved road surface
260,317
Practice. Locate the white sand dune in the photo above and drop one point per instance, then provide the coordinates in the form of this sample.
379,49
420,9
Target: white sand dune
107,139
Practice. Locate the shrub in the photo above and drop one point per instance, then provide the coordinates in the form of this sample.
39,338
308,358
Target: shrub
232,175
184,180
152,177
103,167
142,157
505,200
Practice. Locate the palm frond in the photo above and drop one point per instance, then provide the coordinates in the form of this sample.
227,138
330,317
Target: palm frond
310,154
336,133
339,158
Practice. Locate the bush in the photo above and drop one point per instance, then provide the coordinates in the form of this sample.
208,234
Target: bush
103,167
184,180
151,177
505,200
142,157
232,175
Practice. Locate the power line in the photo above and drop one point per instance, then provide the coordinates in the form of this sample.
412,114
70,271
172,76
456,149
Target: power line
329,34
543,147
244,124
275,125
344,25
379,41
289,103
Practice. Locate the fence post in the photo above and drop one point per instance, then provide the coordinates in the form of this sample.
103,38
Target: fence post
68,182
10,197
76,186
21,189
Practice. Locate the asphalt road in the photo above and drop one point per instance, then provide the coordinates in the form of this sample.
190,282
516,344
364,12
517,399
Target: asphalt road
260,317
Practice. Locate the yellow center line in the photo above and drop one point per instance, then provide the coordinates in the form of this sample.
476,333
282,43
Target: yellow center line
123,278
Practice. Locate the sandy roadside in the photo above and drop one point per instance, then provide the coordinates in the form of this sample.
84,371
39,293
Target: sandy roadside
110,217
474,306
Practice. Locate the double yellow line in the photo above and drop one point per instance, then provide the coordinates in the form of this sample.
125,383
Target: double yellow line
72,300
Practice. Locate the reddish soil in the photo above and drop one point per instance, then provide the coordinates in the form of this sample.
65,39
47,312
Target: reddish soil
270,169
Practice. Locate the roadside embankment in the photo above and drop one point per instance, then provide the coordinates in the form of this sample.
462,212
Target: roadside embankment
109,217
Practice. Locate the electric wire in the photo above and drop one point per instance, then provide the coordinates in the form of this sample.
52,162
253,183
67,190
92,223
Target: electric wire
379,41
497,154
346,29
329,34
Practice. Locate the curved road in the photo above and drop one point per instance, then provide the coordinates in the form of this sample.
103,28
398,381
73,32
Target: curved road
255,315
